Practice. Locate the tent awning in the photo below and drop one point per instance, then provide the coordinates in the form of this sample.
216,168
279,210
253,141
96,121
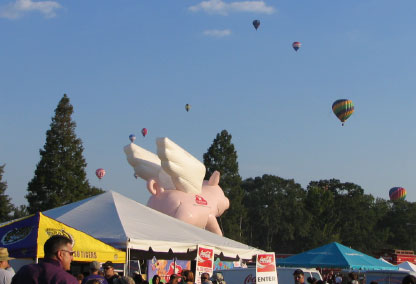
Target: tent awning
130,224
407,266
335,255
25,237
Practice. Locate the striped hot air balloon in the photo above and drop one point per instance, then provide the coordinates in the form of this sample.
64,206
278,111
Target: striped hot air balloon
296,45
343,109
397,193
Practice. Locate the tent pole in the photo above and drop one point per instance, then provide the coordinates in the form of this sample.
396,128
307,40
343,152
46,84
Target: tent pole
174,265
127,264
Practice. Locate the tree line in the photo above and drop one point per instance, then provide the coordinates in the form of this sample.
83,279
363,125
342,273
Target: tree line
277,214
267,212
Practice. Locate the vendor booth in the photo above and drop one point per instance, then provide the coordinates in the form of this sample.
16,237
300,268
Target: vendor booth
335,255
143,232
25,237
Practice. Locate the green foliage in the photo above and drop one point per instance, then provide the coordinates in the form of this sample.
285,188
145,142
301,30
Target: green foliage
401,221
60,176
6,207
19,212
276,215
284,218
221,156
324,216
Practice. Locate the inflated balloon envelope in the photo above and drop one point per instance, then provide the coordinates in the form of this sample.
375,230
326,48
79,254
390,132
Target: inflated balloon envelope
176,181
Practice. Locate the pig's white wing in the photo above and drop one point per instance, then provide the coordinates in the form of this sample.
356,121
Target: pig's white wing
186,172
147,165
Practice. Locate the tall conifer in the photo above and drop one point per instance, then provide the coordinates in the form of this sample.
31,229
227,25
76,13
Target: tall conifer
6,207
60,176
222,156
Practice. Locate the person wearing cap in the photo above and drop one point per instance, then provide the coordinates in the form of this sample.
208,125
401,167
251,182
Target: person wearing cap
109,272
94,268
299,277
6,271
53,268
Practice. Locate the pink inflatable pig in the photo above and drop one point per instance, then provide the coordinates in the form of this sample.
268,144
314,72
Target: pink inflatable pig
200,210
175,180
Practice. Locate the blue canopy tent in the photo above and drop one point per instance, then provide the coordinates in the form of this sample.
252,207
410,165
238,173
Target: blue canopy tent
335,255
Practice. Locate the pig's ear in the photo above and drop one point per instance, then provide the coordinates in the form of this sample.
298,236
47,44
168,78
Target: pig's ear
153,187
214,179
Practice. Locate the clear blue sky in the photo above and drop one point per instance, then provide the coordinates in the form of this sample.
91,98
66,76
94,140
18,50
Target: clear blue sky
131,64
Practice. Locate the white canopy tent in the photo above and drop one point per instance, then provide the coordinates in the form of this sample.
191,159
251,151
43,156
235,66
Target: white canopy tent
407,266
127,224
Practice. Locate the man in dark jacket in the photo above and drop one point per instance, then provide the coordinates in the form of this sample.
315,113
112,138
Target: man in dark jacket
52,270
109,272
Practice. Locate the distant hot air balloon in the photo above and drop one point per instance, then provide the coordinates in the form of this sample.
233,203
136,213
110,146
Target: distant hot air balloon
187,107
397,193
144,132
100,173
343,109
256,24
132,137
296,45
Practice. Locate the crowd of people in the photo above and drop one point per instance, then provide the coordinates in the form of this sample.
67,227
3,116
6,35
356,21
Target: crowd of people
53,269
337,278
59,254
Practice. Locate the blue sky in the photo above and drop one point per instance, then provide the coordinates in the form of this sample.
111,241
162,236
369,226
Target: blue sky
131,64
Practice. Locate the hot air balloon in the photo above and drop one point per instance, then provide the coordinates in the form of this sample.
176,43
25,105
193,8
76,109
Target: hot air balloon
187,107
100,173
397,193
256,24
132,137
296,45
343,109
144,132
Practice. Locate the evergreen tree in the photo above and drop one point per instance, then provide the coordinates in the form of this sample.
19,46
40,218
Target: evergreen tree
60,176
5,206
221,156
19,212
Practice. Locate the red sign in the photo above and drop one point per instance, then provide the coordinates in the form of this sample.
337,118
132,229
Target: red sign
266,263
205,262
205,257
200,200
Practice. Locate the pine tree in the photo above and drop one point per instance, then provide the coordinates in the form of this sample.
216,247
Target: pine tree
60,176
5,206
221,156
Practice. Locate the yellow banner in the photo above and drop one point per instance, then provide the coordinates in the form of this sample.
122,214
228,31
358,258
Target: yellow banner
86,248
